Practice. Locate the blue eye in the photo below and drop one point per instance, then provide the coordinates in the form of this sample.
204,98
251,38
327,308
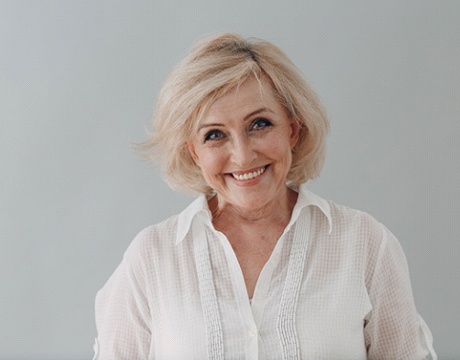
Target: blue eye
213,135
260,123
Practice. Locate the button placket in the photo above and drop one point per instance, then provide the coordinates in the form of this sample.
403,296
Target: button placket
261,291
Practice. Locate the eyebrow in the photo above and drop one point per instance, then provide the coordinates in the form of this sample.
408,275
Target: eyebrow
255,112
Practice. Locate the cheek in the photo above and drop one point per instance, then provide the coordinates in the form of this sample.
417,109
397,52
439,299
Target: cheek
279,148
210,162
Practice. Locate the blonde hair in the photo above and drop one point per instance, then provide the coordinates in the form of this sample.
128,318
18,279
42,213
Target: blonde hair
214,66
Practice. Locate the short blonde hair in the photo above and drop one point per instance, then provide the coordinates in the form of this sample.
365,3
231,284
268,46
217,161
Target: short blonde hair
214,66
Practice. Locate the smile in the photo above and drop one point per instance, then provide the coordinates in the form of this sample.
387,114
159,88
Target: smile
249,175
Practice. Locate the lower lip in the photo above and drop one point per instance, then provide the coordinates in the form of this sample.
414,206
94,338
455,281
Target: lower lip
249,182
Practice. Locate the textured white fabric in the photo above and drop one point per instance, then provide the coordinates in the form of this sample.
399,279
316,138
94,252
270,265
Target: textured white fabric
335,287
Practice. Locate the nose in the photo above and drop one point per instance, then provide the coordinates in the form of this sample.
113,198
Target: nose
243,153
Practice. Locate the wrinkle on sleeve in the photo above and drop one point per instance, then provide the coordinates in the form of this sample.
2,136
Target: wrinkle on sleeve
393,329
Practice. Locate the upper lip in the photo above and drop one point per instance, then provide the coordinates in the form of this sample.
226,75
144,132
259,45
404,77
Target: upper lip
248,171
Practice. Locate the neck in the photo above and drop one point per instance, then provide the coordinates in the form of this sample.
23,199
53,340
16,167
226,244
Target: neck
276,211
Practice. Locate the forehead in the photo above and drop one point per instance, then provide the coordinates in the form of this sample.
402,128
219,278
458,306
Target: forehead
251,94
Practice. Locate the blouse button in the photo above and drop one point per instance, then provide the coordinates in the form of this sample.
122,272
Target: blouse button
252,332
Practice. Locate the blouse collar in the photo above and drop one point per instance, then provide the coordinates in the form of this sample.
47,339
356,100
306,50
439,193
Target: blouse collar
199,208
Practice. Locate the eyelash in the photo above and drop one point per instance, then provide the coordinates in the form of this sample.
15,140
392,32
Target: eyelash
262,123
208,135
266,123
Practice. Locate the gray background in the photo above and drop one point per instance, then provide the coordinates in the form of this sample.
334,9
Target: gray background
78,81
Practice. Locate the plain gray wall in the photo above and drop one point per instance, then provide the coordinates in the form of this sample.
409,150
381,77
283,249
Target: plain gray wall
78,80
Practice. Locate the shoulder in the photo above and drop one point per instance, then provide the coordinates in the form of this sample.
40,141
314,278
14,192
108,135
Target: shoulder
369,240
345,218
339,220
355,229
342,219
152,241
161,241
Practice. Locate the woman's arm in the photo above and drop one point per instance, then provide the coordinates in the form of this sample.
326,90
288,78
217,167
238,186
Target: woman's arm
122,314
393,329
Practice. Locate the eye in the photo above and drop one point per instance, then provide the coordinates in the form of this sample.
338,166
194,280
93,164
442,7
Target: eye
260,123
213,135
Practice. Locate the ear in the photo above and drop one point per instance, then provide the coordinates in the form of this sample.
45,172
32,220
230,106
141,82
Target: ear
192,151
295,133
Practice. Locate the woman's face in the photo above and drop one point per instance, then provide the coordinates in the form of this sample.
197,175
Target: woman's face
243,146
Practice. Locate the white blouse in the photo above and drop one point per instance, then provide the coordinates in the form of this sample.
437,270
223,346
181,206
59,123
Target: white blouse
335,287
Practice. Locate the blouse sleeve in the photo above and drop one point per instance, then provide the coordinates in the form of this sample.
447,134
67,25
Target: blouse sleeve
122,314
393,329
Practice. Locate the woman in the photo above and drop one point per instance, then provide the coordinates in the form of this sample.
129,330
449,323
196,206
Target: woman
257,267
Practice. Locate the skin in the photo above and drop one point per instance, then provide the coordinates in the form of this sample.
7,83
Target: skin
247,131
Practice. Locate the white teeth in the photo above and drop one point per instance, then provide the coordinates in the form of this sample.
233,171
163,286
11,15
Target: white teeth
250,175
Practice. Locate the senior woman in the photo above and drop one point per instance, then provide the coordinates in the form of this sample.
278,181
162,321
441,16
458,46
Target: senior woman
257,267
